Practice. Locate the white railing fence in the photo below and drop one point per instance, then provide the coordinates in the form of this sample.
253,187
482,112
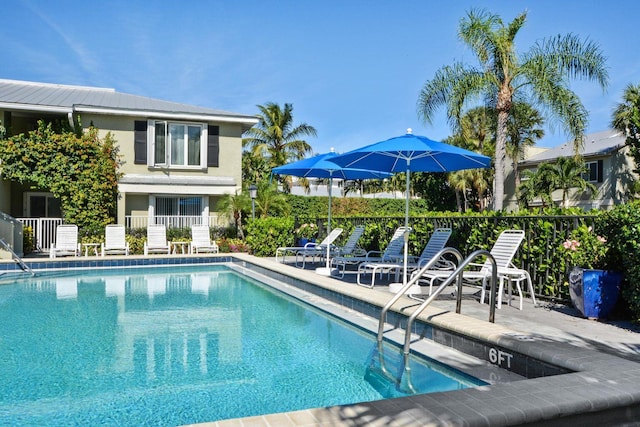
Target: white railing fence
44,231
176,221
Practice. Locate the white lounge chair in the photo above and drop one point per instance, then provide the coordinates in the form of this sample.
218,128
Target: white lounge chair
201,241
503,251
350,247
436,243
392,253
115,242
66,241
293,250
156,240
317,251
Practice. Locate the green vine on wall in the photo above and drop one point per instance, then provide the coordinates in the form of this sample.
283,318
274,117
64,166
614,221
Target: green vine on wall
80,170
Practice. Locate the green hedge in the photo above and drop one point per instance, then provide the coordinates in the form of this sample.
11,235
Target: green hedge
540,252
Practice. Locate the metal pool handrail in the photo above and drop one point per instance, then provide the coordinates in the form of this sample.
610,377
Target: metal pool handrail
434,260
15,256
405,373
456,274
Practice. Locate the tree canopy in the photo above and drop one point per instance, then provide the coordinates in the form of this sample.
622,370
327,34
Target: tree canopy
275,140
79,170
539,76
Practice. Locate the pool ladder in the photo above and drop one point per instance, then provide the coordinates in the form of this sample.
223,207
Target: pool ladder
405,379
15,256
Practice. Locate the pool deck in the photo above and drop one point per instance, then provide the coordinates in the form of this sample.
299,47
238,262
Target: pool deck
603,387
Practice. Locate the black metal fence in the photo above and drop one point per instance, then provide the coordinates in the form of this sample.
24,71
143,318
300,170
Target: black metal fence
539,254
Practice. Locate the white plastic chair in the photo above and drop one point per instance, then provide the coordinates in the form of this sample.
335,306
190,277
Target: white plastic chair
503,251
115,242
200,240
156,240
66,241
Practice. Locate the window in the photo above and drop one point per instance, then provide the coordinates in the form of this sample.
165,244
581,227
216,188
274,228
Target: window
178,211
594,171
42,205
173,144
178,144
178,206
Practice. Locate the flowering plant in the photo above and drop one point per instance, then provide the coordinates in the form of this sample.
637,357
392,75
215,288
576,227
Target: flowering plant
585,249
307,231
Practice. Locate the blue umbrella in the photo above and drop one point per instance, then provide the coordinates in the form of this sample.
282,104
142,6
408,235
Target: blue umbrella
322,166
411,153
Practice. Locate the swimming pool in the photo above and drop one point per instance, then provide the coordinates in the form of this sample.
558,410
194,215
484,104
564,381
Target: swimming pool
178,346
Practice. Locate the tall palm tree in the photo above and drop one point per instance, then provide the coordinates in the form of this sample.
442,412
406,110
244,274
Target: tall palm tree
276,138
541,75
626,119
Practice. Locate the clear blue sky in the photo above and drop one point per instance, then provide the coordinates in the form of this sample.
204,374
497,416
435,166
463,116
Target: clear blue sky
352,69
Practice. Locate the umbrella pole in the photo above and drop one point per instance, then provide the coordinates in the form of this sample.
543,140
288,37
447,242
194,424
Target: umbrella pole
406,225
326,271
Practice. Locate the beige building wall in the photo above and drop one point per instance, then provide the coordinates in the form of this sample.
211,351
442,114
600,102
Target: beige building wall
122,129
614,189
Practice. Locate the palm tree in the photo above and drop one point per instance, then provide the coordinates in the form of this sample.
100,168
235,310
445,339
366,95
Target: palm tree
564,174
534,185
459,182
477,130
270,201
234,205
254,168
522,131
277,139
626,119
541,74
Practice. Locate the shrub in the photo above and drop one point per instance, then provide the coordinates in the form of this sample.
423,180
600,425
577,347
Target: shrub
232,245
27,240
585,249
136,243
621,227
265,235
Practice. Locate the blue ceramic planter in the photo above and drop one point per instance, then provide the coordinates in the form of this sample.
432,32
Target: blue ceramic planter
594,292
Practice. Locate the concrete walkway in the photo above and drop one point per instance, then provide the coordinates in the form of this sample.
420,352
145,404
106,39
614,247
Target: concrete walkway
547,320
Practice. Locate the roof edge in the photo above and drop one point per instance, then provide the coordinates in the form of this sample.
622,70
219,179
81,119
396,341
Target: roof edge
57,85
250,120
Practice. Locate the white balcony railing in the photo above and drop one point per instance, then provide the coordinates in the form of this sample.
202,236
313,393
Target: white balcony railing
176,221
44,229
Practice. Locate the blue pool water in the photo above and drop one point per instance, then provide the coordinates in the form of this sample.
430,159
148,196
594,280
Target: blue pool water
155,347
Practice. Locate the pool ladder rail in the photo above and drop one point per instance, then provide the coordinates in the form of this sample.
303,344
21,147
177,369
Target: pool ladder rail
405,373
15,256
